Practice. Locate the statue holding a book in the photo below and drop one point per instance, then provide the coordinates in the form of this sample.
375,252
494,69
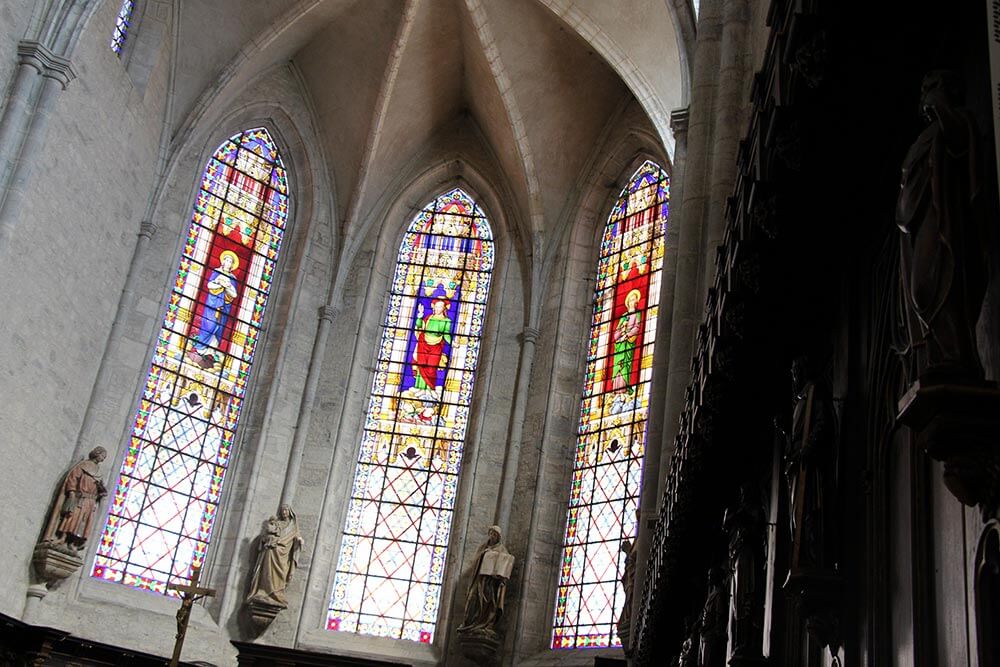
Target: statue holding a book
484,602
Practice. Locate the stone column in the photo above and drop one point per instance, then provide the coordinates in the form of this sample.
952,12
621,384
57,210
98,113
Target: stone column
658,446
514,434
125,304
326,315
39,76
732,98
688,302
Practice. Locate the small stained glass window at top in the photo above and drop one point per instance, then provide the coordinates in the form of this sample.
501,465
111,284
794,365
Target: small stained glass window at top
391,564
122,24
611,438
181,442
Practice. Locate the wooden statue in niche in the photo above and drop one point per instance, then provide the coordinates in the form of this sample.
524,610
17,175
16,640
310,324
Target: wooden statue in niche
811,463
811,471
745,522
943,216
714,619
943,269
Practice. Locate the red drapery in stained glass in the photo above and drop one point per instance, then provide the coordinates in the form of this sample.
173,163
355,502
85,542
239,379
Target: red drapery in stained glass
180,445
391,564
607,471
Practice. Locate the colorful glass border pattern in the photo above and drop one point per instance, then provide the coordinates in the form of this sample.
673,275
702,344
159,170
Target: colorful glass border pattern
122,23
607,471
392,556
167,494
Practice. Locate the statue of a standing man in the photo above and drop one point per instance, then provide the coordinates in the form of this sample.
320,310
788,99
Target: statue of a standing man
943,247
76,504
810,471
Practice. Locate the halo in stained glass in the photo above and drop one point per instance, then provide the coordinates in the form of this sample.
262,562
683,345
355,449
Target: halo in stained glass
391,563
168,489
611,437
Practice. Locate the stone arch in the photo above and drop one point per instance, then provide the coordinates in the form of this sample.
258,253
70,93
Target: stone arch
987,590
565,346
374,266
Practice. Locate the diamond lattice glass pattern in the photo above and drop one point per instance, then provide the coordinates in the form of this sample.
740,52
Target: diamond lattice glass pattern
167,495
388,577
607,471
122,23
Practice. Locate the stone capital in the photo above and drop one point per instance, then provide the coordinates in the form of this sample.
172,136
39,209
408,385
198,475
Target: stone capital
47,64
530,335
679,122
147,229
327,313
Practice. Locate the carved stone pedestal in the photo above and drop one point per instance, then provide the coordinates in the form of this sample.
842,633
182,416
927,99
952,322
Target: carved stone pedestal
480,646
960,426
263,612
817,597
55,562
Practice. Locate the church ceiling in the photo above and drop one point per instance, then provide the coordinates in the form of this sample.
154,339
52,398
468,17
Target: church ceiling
537,80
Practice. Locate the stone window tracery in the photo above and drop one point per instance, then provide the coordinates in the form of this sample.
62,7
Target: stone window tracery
611,436
167,493
392,557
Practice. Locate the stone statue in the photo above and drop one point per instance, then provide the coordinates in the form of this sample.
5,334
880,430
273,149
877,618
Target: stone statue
810,471
943,245
745,522
277,558
484,602
72,518
628,587
714,618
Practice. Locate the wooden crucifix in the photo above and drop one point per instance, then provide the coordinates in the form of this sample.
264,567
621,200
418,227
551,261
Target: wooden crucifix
190,593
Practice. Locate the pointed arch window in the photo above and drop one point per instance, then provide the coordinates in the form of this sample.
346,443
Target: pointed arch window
392,554
122,24
611,437
181,442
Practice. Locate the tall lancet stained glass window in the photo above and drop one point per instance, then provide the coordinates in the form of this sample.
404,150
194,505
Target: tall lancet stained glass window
181,442
611,438
122,23
391,564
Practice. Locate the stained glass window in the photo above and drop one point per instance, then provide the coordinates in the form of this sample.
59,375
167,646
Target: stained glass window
181,442
392,555
611,437
122,24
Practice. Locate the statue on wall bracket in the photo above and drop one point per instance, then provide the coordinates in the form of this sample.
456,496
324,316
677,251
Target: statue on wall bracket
479,634
278,549
71,520
943,213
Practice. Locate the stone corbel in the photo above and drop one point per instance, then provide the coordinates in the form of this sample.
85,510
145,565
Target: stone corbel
37,56
959,425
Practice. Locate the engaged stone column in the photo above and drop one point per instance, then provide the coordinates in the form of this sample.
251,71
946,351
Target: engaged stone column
326,315
102,383
662,425
39,76
513,455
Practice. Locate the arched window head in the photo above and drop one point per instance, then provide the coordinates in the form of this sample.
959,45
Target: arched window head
122,24
611,439
393,549
181,442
